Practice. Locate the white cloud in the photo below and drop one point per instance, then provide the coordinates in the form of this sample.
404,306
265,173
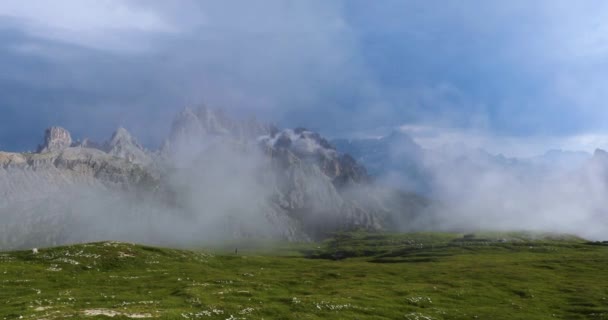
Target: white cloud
436,138
101,24
309,56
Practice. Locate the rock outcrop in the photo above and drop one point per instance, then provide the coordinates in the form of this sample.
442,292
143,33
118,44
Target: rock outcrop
309,146
55,139
123,145
26,176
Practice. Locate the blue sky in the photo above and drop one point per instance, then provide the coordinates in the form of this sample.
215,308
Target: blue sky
516,77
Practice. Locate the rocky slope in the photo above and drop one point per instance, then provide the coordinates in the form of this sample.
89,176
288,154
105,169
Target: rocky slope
214,177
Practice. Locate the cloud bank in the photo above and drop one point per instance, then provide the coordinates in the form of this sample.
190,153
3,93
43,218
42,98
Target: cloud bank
514,69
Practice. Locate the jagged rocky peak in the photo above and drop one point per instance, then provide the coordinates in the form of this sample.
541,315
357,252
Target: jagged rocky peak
214,121
55,139
185,124
198,121
122,137
124,145
311,146
300,141
192,126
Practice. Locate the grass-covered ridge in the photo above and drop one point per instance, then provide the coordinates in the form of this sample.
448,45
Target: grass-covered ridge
352,276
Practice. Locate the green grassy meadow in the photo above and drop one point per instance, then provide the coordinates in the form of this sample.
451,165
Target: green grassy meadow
350,276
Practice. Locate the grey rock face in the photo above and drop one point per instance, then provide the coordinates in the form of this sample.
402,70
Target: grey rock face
308,195
24,176
123,145
62,196
55,139
309,146
11,159
186,125
329,191
306,182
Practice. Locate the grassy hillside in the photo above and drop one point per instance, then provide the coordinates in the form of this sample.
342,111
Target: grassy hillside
352,276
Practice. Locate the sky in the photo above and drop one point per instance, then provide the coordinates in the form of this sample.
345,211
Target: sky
515,77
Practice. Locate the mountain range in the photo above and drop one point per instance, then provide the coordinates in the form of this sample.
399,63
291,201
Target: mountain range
219,177
215,177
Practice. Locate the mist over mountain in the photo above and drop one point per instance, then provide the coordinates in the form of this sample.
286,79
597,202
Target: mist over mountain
398,160
462,99
215,178
472,189
394,158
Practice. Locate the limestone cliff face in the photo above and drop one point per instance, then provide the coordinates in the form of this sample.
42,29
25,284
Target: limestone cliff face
55,139
306,193
27,176
61,196
123,145
309,146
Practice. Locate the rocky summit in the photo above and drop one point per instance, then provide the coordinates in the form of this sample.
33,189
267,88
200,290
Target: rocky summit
123,145
214,178
55,139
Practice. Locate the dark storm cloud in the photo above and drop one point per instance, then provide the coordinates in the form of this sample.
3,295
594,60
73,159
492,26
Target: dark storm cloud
514,69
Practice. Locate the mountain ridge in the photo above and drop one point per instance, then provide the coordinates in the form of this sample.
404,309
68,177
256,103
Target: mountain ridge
218,176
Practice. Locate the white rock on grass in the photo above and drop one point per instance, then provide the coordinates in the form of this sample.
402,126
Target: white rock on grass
112,313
